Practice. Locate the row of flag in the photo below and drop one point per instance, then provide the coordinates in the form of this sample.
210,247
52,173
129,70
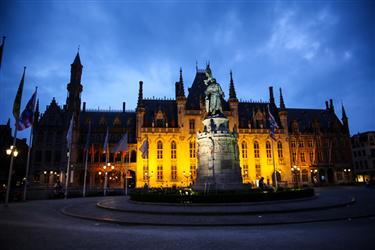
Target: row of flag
26,119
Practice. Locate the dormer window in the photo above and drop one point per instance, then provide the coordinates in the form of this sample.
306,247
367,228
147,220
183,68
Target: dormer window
102,121
160,119
117,122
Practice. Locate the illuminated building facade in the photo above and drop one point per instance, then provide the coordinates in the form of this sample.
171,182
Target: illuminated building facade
312,145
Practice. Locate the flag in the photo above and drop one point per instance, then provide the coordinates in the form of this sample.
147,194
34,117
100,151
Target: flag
273,124
27,117
144,148
1,50
122,145
69,135
105,146
17,100
88,137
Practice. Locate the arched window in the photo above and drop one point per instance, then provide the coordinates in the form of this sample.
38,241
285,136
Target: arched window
173,150
268,149
192,149
159,151
280,149
133,156
256,149
244,150
305,175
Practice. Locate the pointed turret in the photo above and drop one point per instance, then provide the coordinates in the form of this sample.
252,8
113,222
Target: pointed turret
345,121
8,123
232,91
73,101
331,107
282,104
180,92
272,99
140,94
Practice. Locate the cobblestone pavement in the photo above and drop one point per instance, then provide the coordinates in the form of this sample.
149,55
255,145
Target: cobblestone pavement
41,225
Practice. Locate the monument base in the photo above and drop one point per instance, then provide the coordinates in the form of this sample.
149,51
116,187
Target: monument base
218,161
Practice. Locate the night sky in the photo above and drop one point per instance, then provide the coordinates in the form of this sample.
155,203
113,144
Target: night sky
313,50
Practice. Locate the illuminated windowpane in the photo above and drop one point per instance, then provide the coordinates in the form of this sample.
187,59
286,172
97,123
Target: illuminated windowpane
256,149
173,150
244,149
294,156
245,171
305,175
303,157
268,149
258,171
192,149
160,150
160,172
280,149
312,157
174,172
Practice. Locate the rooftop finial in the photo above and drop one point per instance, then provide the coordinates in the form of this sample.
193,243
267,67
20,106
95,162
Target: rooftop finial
232,91
282,104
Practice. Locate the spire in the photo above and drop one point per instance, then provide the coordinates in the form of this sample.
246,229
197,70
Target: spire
77,59
8,123
343,112
272,99
331,107
282,104
232,91
180,92
140,94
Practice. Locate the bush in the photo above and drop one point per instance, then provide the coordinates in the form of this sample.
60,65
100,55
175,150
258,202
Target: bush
189,196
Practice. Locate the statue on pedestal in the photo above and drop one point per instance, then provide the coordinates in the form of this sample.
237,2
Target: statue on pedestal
214,94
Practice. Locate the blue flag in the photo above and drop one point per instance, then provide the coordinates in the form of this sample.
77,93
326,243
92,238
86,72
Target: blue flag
27,117
122,145
105,146
273,124
144,148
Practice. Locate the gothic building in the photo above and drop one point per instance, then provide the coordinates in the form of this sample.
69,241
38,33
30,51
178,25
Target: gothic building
312,145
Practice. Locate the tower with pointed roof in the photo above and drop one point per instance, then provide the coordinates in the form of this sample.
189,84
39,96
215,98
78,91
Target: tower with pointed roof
345,121
283,113
233,104
74,87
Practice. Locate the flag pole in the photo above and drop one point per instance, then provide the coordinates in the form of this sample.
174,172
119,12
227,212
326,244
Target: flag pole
126,174
274,166
106,165
28,163
69,156
86,158
11,166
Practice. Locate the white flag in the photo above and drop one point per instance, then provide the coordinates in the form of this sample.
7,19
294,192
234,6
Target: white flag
69,135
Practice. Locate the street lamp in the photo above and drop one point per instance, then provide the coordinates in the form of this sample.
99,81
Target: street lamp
109,166
12,151
347,173
295,172
187,176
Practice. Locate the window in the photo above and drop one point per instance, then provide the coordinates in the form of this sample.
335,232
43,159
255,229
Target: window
48,156
38,156
173,150
256,149
174,172
258,171
159,151
57,156
244,150
245,170
192,149
293,144
193,169
312,157
159,172
133,156
145,171
300,144
320,156
305,175
303,157
268,149
192,124
294,156
310,143
280,149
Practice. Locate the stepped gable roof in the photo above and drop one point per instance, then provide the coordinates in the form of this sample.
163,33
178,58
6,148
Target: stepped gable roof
118,122
196,93
246,109
54,116
305,118
167,107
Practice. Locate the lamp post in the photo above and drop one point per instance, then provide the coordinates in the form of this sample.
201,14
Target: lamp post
295,172
187,175
12,151
347,174
313,175
106,169
148,177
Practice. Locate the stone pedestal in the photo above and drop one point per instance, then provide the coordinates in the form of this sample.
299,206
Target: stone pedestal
218,160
